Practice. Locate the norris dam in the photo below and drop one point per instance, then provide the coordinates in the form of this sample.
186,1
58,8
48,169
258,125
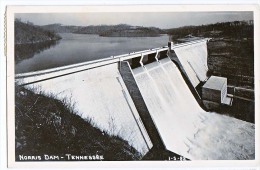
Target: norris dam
151,99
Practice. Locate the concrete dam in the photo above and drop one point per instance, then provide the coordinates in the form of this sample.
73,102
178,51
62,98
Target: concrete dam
149,99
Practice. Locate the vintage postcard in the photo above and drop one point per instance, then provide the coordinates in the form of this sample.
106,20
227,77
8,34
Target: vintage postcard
133,85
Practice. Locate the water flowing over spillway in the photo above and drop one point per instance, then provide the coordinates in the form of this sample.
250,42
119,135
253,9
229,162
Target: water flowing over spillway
185,128
193,58
100,94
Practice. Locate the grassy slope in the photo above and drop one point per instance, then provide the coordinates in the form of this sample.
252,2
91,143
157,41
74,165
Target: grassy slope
45,125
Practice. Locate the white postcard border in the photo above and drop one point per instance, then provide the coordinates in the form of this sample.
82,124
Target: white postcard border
11,10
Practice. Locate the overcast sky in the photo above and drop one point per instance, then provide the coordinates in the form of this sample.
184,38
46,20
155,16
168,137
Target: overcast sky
161,20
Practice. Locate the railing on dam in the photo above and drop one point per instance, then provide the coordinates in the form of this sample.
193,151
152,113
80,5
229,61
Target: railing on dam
94,63
36,76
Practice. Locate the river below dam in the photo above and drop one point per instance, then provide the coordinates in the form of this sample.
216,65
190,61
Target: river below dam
76,48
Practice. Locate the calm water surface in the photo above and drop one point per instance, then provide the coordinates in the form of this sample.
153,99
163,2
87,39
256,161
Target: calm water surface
76,48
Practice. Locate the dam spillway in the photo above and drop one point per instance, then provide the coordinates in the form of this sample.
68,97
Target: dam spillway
167,97
150,99
185,128
193,58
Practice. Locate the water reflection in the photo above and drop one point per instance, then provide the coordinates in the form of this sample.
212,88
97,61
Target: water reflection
26,51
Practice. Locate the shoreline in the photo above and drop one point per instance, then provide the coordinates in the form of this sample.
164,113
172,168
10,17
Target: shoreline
37,42
158,35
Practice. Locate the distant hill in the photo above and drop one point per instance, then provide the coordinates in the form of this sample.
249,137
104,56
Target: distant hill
58,28
133,32
101,29
235,29
27,33
120,30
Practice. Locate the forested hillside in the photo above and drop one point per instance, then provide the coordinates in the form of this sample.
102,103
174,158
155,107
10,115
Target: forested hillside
236,29
230,50
120,30
27,33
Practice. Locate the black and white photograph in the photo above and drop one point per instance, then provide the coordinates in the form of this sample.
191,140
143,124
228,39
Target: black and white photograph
117,85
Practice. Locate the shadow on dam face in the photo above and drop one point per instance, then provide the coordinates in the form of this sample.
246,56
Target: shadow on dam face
152,107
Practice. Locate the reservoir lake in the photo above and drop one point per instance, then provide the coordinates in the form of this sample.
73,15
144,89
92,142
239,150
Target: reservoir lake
77,48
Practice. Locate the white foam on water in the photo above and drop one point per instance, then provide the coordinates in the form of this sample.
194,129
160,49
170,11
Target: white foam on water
193,58
223,138
101,95
185,128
